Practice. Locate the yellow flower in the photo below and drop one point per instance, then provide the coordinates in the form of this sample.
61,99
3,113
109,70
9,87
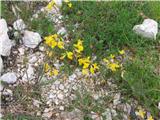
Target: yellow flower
79,46
53,72
112,56
150,118
80,61
60,44
55,36
48,40
70,5
46,67
93,68
85,62
85,65
85,71
122,52
53,44
105,60
50,5
113,66
141,113
70,55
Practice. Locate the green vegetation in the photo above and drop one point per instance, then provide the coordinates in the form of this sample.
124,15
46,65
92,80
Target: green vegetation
25,11
106,27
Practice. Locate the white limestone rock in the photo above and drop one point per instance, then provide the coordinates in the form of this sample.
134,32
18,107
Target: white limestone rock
1,87
9,78
58,3
148,29
31,39
5,43
3,26
19,25
1,65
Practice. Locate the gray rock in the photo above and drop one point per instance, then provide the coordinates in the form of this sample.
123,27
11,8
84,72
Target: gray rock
159,105
33,59
95,96
114,113
73,115
51,96
116,99
7,92
60,96
9,78
95,116
21,51
1,65
61,108
107,114
5,45
19,25
61,87
57,82
72,77
62,31
148,29
31,39
35,16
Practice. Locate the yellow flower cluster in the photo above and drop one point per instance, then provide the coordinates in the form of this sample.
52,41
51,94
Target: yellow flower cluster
113,66
112,63
50,5
53,3
85,62
141,113
88,66
68,3
50,70
78,49
53,41
79,46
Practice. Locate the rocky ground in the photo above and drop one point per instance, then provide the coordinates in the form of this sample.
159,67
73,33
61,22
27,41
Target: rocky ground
21,68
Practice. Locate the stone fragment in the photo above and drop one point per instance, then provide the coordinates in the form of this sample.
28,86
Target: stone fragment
31,39
148,29
9,77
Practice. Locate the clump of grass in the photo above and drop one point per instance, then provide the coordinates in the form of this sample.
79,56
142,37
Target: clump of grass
86,104
23,96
